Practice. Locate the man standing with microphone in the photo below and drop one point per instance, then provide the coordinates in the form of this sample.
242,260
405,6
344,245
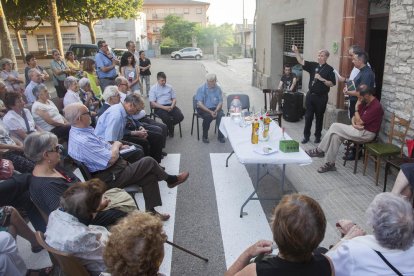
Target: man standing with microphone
322,78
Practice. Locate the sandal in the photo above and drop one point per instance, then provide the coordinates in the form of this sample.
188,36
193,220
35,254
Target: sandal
327,167
40,272
343,226
315,153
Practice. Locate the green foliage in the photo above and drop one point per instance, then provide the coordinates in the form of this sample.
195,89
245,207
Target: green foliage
178,29
18,13
223,34
169,42
91,11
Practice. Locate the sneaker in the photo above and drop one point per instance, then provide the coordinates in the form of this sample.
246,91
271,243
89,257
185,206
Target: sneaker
317,140
315,153
305,140
182,177
327,167
222,140
205,140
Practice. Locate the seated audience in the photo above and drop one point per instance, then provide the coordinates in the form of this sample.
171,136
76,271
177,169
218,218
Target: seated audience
12,149
72,93
72,63
123,88
365,124
111,96
130,71
89,72
163,100
87,96
69,227
46,115
18,119
32,64
104,162
404,184
35,79
209,99
60,72
298,227
389,251
12,222
49,180
3,92
145,238
10,77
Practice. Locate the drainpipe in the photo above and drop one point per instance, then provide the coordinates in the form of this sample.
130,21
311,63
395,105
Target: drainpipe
254,73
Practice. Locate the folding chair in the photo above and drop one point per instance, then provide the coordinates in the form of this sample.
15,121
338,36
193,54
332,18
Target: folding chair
196,115
154,116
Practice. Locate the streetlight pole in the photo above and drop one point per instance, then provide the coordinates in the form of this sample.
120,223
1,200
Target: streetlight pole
244,33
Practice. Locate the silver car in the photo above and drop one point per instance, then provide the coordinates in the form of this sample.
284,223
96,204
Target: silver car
189,52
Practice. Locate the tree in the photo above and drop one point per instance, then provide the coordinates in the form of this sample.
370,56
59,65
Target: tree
223,34
54,22
19,13
6,43
178,29
89,12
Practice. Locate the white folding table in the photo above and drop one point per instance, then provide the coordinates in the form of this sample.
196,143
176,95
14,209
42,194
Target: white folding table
246,152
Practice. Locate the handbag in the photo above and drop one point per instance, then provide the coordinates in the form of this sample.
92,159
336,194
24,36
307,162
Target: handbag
6,169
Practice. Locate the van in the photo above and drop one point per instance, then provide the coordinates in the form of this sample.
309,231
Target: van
82,51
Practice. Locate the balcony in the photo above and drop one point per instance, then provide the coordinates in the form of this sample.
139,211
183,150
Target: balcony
161,16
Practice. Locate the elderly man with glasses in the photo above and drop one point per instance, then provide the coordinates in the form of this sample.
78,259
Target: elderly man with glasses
104,161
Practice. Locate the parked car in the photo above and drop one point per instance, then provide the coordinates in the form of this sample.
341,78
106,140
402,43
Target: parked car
82,51
189,52
119,52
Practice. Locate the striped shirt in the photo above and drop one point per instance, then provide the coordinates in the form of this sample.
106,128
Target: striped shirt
86,147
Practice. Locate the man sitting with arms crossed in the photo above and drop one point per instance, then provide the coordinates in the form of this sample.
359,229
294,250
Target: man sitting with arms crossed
104,162
209,105
365,124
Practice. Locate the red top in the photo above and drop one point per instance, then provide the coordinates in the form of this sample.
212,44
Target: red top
371,114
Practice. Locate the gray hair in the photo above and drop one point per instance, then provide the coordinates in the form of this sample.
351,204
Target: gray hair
69,81
55,51
5,61
37,143
84,82
32,71
211,77
133,99
326,52
110,91
37,89
73,112
392,219
119,80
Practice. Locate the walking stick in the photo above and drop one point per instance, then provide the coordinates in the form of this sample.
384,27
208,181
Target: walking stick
186,250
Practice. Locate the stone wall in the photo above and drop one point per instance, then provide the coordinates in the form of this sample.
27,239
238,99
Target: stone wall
398,83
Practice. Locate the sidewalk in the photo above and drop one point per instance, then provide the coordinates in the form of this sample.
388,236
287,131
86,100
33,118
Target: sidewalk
341,193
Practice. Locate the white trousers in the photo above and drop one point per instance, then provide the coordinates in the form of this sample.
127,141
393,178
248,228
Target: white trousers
10,261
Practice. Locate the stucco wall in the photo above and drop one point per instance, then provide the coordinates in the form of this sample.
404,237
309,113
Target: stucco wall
318,34
398,84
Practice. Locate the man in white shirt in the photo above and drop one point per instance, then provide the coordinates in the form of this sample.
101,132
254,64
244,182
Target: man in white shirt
35,79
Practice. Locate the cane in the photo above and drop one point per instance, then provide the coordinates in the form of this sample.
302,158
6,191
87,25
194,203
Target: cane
186,250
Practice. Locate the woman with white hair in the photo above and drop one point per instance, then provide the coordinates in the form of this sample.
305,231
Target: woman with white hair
72,93
46,114
389,251
10,77
111,96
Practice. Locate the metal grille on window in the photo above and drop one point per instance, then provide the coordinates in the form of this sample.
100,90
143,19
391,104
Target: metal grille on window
293,35
68,39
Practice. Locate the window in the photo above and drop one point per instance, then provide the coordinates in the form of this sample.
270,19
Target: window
16,46
68,39
293,35
45,43
172,10
186,11
199,10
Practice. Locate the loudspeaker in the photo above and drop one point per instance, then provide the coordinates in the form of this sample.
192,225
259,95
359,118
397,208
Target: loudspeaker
293,106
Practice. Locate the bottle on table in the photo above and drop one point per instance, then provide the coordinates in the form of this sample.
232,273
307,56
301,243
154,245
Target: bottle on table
266,126
235,109
255,132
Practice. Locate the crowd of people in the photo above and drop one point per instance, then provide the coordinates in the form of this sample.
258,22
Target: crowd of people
100,122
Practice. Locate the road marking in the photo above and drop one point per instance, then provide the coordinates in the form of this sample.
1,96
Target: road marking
169,199
233,185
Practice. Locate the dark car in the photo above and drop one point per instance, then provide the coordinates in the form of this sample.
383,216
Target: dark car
82,51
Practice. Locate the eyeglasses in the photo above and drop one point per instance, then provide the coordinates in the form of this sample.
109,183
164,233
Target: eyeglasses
58,148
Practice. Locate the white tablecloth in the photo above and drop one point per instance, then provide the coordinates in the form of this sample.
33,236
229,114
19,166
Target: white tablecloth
240,139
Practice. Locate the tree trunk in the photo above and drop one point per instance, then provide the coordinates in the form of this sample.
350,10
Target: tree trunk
6,42
54,22
92,31
20,44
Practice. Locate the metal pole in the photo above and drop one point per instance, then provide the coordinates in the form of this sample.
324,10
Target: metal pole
244,33
186,250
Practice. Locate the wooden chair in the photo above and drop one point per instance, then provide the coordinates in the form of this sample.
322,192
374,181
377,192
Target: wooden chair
154,116
274,98
197,116
377,151
359,146
69,264
132,190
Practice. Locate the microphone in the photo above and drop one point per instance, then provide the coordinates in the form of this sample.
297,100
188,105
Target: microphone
316,72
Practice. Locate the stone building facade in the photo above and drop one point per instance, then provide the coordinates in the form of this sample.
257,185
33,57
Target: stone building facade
398,83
